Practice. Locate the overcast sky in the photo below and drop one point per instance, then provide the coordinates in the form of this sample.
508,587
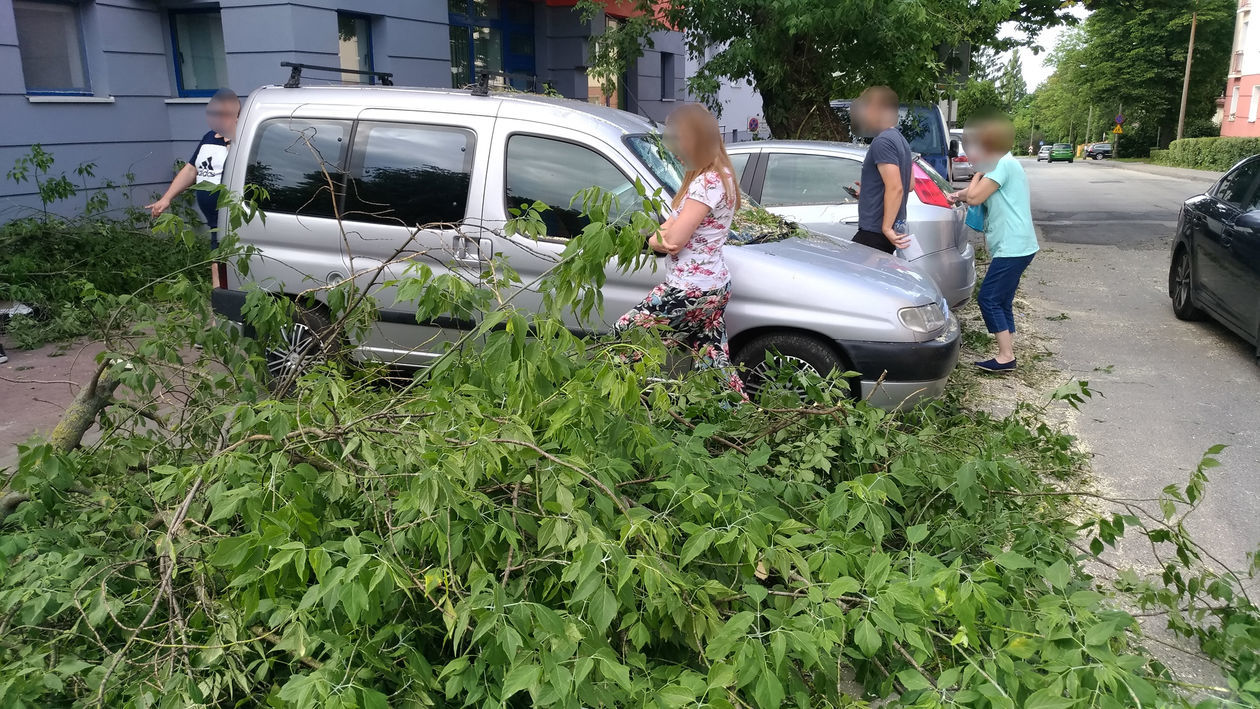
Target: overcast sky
1035,70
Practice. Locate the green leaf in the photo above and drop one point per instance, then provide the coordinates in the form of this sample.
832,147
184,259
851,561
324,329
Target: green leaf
732,631
696,545
521,677
866,637
1012,560
1058,574
917,533
1047,699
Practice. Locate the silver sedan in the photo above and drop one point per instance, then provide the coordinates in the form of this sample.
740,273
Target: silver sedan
806,181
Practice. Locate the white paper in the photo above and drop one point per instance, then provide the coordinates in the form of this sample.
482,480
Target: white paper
914,250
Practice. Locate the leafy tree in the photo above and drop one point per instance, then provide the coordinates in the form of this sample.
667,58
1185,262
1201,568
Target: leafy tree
801,54
1131,54
1010,85
977,98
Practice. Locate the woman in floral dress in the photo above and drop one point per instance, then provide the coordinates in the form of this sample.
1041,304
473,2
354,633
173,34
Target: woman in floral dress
692,300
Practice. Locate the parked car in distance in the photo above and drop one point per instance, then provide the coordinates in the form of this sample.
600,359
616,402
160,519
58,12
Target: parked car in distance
1044,152
924,127
1060,152
805,182
430,176
1098,151
961,167
1215,266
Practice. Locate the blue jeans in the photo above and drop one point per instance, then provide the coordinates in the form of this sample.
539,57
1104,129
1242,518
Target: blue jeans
997,293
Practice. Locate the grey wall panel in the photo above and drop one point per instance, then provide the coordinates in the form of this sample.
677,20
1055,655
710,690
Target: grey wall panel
138,74
131,29
11,81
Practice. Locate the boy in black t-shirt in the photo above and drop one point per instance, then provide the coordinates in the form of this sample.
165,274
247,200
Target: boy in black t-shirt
206,163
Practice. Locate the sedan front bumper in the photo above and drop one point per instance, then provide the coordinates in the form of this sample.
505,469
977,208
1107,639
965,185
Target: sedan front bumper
898,375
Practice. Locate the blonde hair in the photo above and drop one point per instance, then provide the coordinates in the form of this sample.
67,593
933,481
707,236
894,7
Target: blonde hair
701,126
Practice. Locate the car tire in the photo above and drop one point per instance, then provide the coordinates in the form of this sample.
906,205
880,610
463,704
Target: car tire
303,345
1181,286
1070,161
803,351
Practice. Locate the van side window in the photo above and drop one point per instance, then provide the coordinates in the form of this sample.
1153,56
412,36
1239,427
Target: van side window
289,159
408,174
553,172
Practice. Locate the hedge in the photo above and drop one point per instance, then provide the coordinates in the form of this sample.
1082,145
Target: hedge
1207,153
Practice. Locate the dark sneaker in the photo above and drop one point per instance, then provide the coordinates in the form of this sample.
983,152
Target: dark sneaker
992,365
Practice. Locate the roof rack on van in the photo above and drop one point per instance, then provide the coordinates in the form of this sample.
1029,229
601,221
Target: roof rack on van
295,73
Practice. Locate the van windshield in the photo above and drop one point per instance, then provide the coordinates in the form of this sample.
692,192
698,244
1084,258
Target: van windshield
922,131
663,164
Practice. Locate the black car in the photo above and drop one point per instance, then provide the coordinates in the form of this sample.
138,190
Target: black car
1098,151
1216,253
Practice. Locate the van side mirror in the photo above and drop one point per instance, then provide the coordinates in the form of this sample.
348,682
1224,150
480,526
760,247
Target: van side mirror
955,147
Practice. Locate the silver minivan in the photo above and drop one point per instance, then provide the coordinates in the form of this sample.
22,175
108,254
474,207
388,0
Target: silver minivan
385,157
805,181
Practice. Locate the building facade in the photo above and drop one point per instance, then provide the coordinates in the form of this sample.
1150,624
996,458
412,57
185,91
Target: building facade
1242,89
124,83
738,104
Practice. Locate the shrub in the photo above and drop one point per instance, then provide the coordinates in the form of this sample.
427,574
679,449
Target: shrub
1159,156
71,270
1213,153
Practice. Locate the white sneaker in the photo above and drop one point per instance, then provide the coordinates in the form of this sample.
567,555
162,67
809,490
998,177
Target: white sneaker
3,357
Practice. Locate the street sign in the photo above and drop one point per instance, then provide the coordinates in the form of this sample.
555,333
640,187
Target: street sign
754,124
1119,118
1118,130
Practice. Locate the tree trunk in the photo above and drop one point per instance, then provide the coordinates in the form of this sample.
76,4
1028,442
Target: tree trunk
74,423
799,112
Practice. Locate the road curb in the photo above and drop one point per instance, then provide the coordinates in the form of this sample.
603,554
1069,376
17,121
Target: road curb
1165,170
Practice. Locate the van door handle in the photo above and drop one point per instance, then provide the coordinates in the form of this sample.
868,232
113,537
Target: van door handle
473,249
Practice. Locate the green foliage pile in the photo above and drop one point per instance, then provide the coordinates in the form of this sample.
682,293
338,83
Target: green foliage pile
1216,153
72,271
533,522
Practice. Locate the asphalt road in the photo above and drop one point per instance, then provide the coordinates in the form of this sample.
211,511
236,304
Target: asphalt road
1170,389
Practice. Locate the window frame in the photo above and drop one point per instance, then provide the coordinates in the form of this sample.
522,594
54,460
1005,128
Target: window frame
507,144
769,156
669,83
1248,191
371,46
1255,103
171,14
77,13
354,166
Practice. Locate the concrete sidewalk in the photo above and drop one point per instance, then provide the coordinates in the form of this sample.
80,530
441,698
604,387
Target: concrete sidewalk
1164,170
36,386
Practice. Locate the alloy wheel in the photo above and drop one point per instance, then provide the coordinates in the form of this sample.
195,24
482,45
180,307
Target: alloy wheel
298,351
762,378
1181,293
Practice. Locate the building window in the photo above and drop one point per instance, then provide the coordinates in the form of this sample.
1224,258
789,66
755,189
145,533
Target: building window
1255,103
200,64
50,42
668,87
1233,104
494,37
354,46
595,90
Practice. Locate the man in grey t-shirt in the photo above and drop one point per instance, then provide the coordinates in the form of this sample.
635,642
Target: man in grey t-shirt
886,172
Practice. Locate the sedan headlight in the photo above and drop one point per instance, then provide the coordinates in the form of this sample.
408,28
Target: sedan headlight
925,319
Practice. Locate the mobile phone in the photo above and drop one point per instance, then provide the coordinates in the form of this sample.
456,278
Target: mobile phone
852,192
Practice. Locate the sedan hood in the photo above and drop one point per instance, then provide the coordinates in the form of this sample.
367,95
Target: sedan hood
861,270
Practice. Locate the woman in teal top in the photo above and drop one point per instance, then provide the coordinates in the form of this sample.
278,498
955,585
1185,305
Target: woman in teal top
1002,188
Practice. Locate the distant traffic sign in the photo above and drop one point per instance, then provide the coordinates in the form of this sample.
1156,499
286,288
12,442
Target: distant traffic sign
1119,118
1118,130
